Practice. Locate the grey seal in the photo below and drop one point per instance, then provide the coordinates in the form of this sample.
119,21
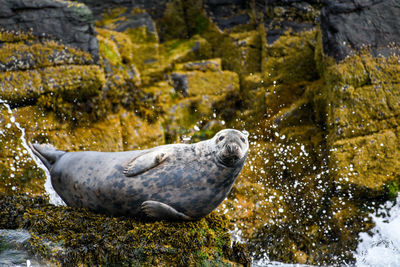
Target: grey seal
168,182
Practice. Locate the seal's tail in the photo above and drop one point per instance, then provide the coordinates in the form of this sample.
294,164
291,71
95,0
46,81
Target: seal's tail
48,154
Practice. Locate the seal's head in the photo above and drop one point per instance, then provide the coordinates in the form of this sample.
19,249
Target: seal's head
231,146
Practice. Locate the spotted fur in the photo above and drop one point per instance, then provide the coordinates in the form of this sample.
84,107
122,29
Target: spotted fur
182,181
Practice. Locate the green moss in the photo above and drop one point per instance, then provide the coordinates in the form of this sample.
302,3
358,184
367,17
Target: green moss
392,189
186,50
209,83
291,58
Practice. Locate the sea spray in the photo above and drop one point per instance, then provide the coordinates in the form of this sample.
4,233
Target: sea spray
382,248
54,198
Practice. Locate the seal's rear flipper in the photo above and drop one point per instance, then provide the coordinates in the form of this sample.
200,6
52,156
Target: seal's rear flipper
48,154
162,211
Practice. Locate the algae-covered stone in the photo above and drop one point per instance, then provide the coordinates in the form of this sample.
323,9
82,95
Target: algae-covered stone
249,44
367,162
18,171
205,83
34,54
67,236
32,68
115,132
139,134
201,97
203,65
363,116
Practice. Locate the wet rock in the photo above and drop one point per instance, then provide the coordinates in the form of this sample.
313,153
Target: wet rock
348,26
67,236
13,250
362,122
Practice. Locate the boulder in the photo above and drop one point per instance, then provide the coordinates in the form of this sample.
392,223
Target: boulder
68,22
347,26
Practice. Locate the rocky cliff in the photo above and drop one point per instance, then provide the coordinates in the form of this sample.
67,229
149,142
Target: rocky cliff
315,83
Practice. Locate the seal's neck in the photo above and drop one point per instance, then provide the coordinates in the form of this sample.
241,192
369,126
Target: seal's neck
204,148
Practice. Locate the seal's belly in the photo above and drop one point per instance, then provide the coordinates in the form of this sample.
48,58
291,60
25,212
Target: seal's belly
189,187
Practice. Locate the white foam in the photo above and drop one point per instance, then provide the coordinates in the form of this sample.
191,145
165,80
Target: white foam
54,198
382,248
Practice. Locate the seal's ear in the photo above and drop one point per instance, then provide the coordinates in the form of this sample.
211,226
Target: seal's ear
144,162
246,133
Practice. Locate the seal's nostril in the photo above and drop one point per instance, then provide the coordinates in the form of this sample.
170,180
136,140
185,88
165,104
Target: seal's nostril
229,148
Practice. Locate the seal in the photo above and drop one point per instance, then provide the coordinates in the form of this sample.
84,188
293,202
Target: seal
169,182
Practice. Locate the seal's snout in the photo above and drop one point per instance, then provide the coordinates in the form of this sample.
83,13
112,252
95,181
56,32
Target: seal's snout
232,148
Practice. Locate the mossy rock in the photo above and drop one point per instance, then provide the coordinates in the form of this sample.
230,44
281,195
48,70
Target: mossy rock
18,171
68,236
116,132
172,25
291,59
19,36
249,44
195,83
213,64
367,162
33,54
362,95
31,68
362,105
200,99
70,82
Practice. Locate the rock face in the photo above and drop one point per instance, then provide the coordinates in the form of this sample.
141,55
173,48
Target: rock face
324,131
228,14
348,25
64,21
280,16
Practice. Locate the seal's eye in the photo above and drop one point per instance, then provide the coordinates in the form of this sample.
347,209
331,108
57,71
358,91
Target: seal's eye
243,140
221,138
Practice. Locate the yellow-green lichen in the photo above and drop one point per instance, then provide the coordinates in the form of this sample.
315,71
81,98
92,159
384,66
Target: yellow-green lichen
32,54
15,36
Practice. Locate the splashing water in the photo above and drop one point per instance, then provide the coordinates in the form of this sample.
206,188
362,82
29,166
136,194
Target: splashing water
54,198
383,247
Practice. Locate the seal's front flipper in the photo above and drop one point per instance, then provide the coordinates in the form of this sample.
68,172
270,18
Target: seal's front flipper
144,162
162,211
